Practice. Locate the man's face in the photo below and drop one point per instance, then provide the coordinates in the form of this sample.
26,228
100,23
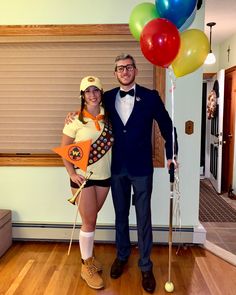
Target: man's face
125,72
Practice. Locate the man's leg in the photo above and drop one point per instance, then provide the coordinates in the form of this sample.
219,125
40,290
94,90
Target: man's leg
142,200
142,187
121,190
121,195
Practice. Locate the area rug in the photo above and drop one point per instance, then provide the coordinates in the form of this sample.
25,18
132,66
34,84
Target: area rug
212,207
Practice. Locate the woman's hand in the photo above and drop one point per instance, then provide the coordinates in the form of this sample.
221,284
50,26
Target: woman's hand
70,117
77,178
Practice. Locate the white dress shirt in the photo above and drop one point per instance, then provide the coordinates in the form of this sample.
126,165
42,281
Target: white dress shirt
124,105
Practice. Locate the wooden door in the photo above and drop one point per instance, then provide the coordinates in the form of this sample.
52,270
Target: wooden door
228,129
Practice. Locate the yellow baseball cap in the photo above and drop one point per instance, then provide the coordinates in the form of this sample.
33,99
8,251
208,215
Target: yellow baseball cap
90,81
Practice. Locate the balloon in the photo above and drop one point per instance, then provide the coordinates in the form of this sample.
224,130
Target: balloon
189,21
177,11
140,16
199,4
193,52
160,42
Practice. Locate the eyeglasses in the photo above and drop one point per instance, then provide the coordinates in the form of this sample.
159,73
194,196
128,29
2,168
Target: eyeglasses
129,68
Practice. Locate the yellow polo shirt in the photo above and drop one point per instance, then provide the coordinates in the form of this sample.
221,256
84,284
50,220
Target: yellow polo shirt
80,132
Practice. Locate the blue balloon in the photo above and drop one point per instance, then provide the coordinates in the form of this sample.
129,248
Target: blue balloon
176,11
189,21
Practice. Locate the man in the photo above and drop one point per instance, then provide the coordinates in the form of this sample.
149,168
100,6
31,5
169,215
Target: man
131,109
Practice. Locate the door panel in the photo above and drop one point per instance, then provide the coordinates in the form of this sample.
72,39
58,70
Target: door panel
216,136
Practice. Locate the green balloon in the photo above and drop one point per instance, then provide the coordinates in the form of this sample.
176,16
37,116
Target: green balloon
140,16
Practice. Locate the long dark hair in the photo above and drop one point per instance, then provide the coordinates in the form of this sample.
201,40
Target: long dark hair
82,97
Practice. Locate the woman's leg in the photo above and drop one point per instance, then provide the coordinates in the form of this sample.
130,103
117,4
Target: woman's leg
91,201
88,212
101,193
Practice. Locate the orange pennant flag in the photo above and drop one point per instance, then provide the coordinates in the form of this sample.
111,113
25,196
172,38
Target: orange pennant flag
76,153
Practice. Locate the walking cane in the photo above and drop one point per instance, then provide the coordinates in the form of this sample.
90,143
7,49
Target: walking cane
169,286
72,200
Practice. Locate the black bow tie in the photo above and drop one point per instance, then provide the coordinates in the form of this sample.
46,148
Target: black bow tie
124,93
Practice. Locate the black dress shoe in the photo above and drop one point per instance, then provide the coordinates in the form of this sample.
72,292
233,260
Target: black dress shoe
148,281
117,268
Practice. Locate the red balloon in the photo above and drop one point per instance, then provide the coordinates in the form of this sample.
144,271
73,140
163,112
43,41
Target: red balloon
160,42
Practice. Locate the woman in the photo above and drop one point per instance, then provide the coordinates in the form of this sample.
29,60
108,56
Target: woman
90,123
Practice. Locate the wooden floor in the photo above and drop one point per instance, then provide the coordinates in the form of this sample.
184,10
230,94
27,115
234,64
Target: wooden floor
33,268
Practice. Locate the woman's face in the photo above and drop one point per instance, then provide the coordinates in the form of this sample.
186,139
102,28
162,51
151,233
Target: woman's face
92,96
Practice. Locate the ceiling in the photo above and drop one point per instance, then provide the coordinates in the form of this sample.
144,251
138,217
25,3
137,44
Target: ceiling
223,13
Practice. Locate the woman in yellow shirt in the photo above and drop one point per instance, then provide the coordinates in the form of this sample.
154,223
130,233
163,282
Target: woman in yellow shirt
90,123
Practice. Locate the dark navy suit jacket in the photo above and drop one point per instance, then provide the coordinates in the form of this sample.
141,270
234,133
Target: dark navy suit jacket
133,141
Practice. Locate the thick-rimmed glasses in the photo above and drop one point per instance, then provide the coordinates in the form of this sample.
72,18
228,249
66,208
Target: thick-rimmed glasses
129,68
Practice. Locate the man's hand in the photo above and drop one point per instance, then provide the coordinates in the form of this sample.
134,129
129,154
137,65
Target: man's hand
70,117
169,161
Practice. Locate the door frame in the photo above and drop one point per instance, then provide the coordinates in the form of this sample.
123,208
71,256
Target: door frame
228,113
229,128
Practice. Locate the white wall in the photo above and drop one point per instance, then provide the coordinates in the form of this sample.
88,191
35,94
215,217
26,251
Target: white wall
221,54
40,193
15,12
224,62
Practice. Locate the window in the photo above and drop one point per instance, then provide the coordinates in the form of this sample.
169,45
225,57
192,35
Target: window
39,84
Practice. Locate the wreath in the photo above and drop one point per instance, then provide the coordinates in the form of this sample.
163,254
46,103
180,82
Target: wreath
211,104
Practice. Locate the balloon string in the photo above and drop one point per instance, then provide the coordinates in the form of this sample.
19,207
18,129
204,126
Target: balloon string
172,79
176,211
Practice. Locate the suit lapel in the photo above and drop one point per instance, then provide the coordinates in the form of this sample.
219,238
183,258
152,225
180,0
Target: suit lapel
113,105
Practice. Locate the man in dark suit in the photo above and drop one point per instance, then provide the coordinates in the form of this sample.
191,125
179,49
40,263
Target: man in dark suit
132,109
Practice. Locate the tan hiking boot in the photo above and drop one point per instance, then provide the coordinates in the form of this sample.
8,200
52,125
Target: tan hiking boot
90,274
97,264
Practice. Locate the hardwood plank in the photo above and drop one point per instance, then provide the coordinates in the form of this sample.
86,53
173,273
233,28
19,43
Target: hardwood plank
20,277
42,268
219,275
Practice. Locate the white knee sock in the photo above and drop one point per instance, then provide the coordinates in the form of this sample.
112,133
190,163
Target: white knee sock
86,241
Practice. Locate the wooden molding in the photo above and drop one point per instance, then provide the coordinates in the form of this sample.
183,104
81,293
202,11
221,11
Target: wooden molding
232,69
208,76
65,30
30,160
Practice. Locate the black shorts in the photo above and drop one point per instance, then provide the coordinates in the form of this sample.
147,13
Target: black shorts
91,182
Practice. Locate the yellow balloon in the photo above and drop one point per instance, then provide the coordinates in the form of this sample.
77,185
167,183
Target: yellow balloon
194,47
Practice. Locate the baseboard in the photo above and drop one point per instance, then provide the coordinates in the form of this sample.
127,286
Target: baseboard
104,233
220,252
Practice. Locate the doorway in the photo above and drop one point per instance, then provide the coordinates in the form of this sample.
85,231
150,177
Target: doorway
225,140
